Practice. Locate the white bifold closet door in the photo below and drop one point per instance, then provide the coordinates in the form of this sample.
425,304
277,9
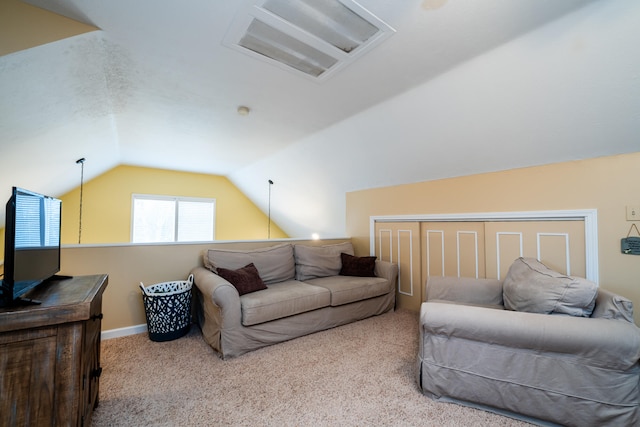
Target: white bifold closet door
475,249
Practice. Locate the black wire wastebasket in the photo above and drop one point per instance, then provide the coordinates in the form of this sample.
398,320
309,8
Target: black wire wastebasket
167,306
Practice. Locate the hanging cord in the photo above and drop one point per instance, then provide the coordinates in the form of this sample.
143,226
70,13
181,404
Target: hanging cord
269,211
81,162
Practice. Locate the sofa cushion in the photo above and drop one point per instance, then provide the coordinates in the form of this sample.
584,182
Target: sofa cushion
319,261
466,290
281,300
245,279
346,289
533,287
357,266
274,263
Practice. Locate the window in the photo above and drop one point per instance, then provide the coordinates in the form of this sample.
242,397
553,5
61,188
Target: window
172,219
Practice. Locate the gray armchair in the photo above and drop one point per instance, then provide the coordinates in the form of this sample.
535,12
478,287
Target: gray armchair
569,370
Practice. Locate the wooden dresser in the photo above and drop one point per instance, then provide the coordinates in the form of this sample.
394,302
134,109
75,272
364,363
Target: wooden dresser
50,354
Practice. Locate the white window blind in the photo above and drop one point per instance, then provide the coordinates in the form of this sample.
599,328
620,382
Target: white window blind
37,222
172,219
52,224
28,222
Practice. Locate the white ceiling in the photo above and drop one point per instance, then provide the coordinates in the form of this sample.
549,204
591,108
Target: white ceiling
462,87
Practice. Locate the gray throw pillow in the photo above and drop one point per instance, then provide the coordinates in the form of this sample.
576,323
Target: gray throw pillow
533,287
319,261
274,263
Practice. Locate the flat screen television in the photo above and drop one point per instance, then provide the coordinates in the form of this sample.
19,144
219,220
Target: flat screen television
31,243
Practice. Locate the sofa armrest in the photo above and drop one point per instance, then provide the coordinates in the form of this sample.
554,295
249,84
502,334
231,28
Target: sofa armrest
387,270
222,293
465,290
598,342
612,306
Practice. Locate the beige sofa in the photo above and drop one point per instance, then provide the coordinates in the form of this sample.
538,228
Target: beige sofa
248,299
563,352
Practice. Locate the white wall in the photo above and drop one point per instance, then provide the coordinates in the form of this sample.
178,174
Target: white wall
569,90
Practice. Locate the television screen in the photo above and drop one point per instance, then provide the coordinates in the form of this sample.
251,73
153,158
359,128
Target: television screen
32,241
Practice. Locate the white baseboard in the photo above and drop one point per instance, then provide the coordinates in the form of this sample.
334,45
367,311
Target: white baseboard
123,332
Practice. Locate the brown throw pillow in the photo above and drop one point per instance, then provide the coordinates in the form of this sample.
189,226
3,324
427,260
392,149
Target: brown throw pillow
245,279
357,266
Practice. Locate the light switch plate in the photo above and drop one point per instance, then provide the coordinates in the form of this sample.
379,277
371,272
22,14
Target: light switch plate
633,213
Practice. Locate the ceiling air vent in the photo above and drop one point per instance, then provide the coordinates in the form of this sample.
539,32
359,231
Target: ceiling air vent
312,37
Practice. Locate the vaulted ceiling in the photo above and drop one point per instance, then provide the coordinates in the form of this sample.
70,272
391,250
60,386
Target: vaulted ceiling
460,87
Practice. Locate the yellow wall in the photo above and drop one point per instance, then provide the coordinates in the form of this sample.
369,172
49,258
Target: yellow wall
106,205
606,184
23,26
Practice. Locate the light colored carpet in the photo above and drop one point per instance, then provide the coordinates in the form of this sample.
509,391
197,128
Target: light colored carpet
361,374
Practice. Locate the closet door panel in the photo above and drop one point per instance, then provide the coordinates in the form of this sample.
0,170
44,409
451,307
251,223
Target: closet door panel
470,256
384,243
400,243
434,253
453,249
558,244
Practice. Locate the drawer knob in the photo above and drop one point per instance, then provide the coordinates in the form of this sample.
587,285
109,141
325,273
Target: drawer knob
97,316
